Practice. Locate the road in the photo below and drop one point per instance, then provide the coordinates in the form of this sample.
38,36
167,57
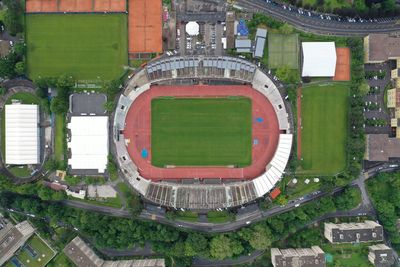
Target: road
314,23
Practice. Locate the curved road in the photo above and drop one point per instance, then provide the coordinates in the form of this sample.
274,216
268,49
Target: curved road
314,23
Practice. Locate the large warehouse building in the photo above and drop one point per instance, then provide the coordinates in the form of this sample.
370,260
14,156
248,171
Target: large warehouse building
89,143
22,134
319,59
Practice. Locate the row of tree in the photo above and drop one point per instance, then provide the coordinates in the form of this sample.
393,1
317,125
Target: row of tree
360,8
182,246
384,190
13,16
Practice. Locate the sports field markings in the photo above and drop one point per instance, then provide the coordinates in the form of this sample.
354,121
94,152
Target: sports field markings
85,46
201,132
324,119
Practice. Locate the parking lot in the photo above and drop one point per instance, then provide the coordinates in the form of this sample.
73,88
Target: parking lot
375,109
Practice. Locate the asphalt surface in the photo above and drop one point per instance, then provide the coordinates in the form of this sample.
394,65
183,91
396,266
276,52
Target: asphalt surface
314,23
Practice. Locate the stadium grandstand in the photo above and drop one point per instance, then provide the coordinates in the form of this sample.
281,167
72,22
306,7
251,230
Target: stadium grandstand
198,193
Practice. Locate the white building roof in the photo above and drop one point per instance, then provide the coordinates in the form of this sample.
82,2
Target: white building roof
89,143
192,28
22,134
319,59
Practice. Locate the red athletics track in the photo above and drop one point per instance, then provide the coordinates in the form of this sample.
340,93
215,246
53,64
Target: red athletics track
138,132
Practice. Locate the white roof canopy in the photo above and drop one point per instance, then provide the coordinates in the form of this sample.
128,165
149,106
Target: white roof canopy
192,28
319,59
89,143
22,134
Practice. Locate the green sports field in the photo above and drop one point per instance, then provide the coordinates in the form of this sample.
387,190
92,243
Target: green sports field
324,112
283,49
90,47
201,131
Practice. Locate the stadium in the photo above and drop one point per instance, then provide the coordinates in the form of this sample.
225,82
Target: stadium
202,132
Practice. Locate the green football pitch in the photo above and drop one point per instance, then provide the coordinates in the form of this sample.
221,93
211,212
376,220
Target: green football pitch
283,49
90,47
201,131
324,117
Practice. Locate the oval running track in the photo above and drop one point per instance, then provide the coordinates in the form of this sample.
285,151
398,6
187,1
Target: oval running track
137,132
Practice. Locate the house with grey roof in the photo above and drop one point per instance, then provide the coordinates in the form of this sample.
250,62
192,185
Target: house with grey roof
368,231
298,257
381,255
83,256
13,237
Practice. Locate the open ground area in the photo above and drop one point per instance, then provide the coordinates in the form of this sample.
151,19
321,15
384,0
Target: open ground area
35,253
90,47
201,132
283,50
324,110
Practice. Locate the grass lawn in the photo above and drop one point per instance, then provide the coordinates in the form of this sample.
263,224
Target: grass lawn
201,131
301,188
44,253
283,49
220,216
20,171
59,137
324,120
86,46
25,98
187,216
348,255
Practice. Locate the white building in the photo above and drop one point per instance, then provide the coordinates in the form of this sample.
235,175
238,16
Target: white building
22,134
319,59
88,143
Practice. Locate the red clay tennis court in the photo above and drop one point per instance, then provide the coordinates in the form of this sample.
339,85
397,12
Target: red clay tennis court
43,6
33,6
138,133
145,26
109,5
342,72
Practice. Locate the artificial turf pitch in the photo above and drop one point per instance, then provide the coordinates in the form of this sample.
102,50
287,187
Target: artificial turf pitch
283,50
201,131
90,47
324,118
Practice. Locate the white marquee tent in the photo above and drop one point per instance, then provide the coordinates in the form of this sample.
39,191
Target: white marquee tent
22,134
89,143
319,59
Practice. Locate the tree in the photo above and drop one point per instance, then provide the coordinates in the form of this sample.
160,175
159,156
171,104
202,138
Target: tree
286,29
20,68
59,105
364,88
13,16
220,247
259,236
195,244
285,74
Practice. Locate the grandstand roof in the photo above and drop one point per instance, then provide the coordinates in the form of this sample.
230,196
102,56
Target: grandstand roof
319,59
89,143
22,134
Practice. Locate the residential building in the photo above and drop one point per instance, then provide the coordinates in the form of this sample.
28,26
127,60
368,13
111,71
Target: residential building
379,147
13,237
367,231
299,257
381,255
380,47
83,256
